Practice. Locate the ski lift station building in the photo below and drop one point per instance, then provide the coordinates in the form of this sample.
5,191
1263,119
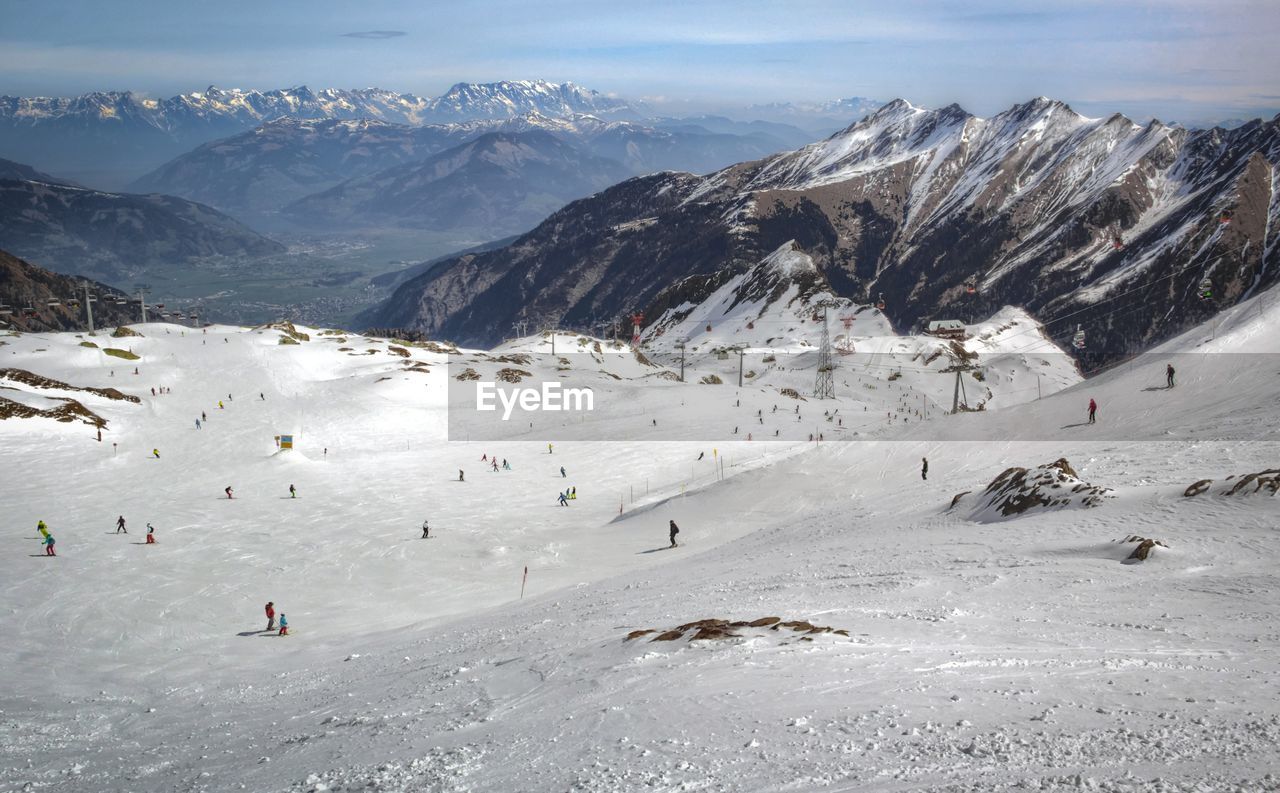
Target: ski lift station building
947,329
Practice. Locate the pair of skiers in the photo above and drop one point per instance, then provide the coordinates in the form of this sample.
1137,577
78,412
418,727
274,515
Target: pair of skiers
271,620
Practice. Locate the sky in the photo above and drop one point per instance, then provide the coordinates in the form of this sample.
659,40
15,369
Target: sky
1178,60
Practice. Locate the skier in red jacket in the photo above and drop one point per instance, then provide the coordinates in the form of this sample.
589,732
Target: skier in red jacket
1093,411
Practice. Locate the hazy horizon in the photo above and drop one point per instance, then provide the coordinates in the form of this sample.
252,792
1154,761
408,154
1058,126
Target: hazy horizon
1178,60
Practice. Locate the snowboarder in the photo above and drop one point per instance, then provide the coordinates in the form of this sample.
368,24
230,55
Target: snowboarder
460,476
271,615
284,624
151,534
673,530
1168,374
1093,411
293,491
564,500
924,468
156,453
227,490
48,545
426,531
120,525
562,473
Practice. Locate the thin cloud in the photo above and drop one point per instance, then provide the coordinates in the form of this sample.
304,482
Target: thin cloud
375,34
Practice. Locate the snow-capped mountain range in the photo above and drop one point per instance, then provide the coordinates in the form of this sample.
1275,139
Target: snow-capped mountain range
1102,223
132,133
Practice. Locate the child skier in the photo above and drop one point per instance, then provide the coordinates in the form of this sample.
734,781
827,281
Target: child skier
284,625
48,545
151,534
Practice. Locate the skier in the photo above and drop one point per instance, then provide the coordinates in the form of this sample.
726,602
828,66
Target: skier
197,423
262,396
460,477
1168,374
701,455
562,473
1093,411
203,417
505,465
151,534
48,545
673,529
271,615
227,490
426,531
495,465
220,405
153,390
293,491
284,625
156,452
924,468
549,451
120,525
484,458
573,493
564,500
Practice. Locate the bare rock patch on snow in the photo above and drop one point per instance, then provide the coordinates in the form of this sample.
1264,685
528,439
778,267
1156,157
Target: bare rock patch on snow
1017,491
716,629
1265,482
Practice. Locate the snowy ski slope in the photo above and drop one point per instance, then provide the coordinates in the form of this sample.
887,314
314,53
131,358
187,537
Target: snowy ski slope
980,655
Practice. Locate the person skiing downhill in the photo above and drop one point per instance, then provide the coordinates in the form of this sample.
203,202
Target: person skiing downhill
227,490
284,625
505,465
48,545
1093,411
151,534
495,465
562,473
924,468
460,477
564,500
271,615
120,525
197,423
426,531
673,530
293,491
156,453
1168,374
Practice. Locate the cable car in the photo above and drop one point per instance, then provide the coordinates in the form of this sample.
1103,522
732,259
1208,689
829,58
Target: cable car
158,306
74,303
880,304
5,310
751,326
1117,242
1205,289
708,327
971,286
29,311
1077,341
53,302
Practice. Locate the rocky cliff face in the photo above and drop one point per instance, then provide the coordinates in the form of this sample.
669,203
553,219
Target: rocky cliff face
1097,222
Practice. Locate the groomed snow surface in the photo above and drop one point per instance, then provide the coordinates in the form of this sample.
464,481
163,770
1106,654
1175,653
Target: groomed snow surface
1018,653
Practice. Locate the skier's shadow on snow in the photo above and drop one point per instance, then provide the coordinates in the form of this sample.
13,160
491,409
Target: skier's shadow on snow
1069,426
1158,388
655,550
253,633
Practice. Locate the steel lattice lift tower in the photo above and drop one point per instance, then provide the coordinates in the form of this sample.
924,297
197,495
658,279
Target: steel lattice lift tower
825,385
